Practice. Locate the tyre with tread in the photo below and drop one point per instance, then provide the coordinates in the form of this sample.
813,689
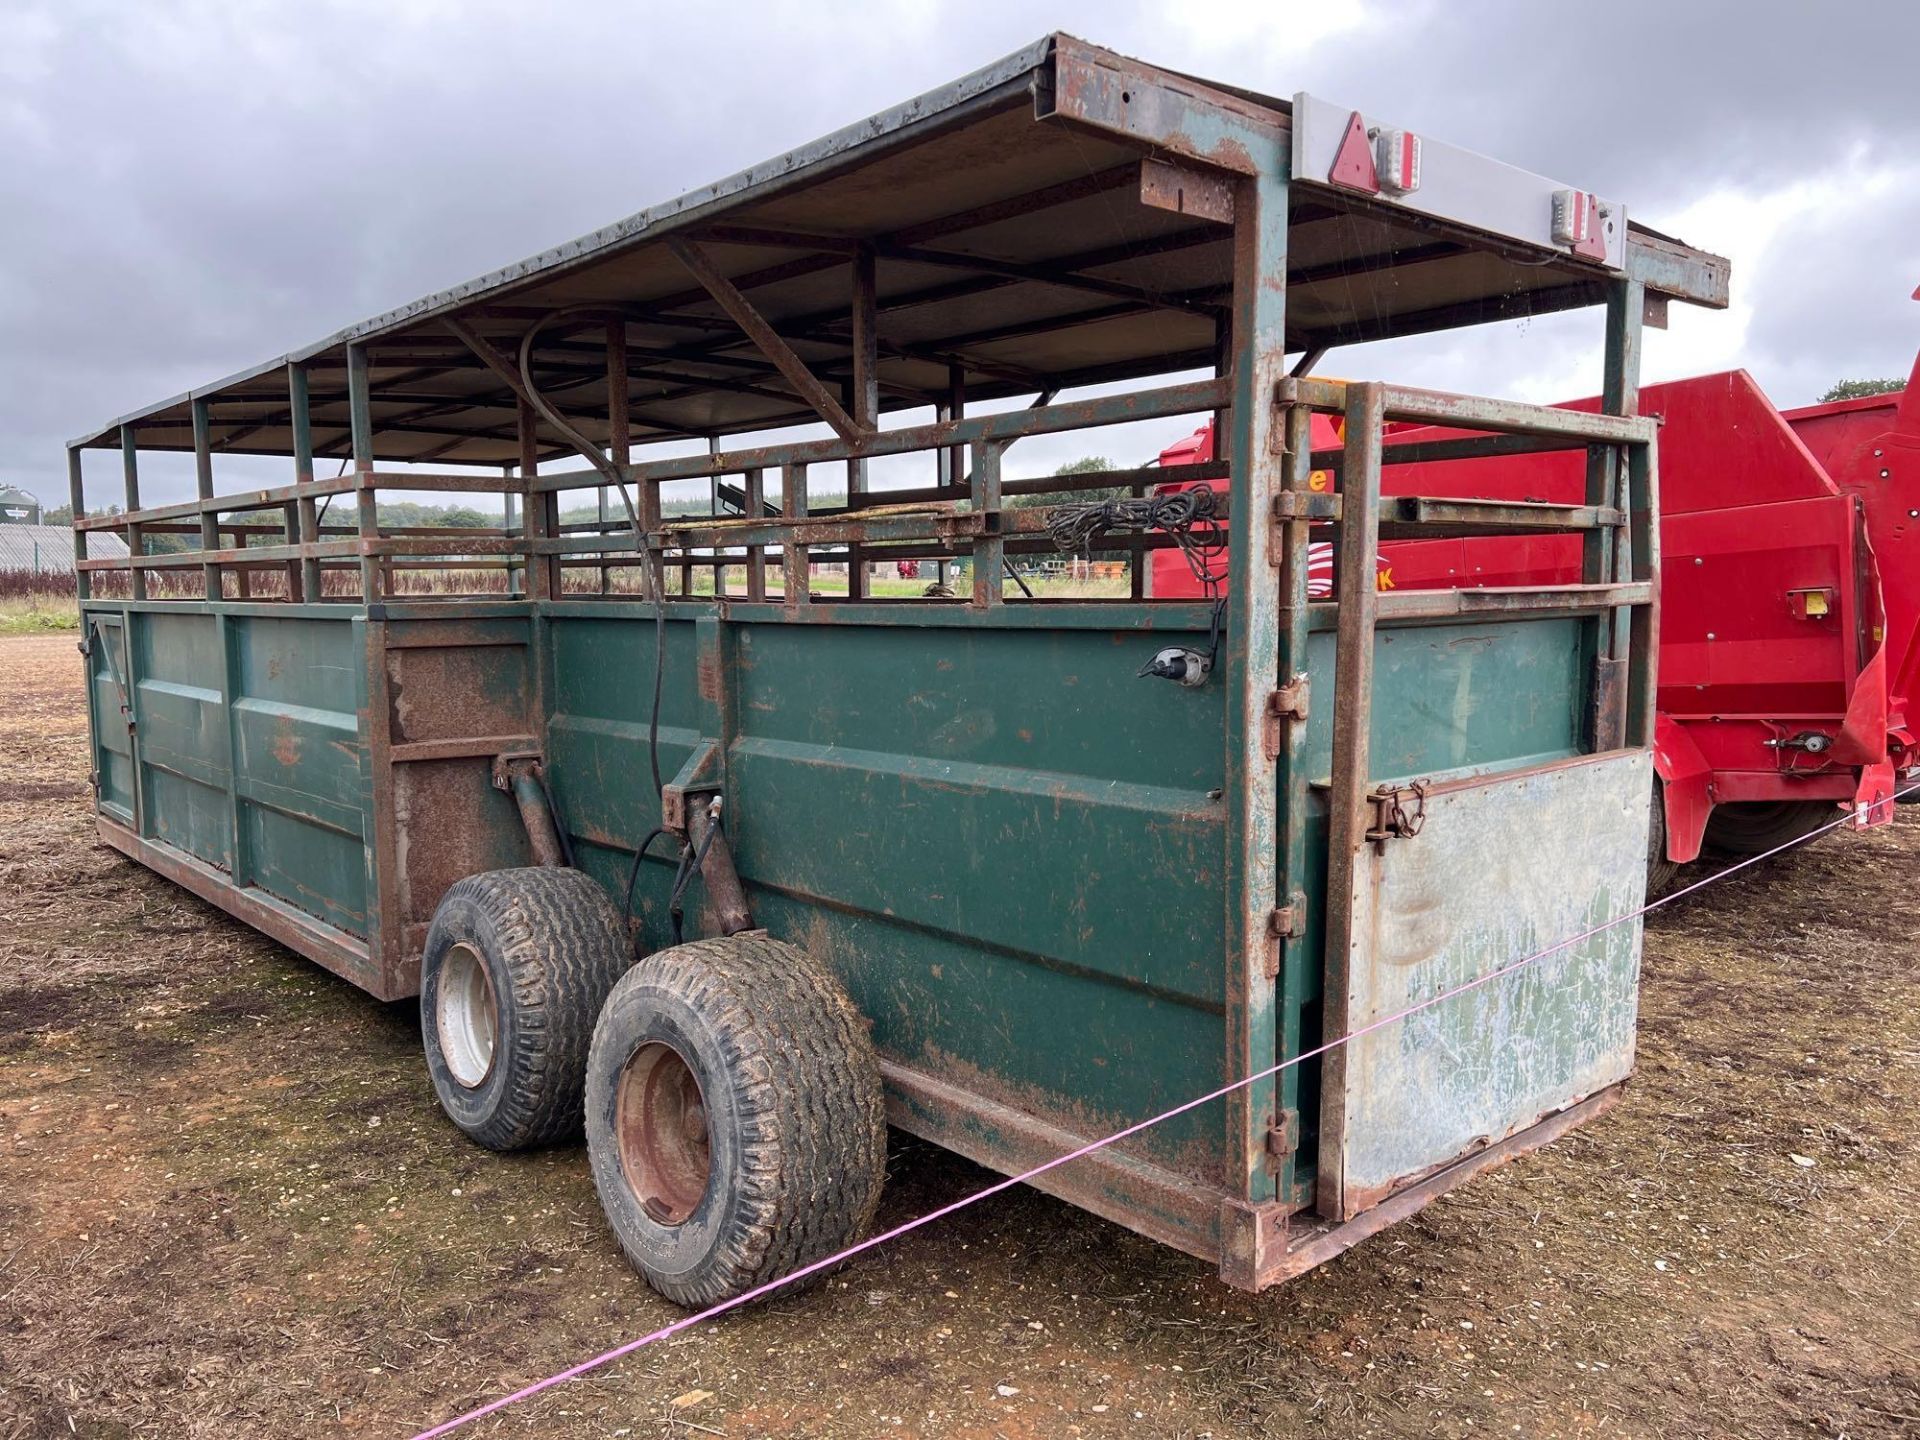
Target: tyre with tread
516,966
1662,874
1753,827
734,1116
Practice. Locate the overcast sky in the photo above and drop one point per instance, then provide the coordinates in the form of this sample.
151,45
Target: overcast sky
188,188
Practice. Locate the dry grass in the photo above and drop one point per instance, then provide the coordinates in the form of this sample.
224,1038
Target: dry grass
229,1207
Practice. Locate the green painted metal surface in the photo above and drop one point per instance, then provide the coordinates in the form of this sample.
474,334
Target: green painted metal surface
1065,897
1013,849
248,751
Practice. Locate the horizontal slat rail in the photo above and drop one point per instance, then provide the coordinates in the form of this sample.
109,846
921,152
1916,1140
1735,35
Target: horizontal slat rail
260,553
1474,412
1188,399
246,500
1529,600
924,523
1422,517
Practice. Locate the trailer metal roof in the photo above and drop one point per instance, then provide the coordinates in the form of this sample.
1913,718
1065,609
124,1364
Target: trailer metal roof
1011,252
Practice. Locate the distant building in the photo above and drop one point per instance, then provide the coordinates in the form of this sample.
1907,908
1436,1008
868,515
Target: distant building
17,507
49,548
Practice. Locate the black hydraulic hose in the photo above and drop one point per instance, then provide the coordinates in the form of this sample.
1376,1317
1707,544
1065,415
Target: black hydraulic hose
559,821
633,873
615,471
684,877
656,581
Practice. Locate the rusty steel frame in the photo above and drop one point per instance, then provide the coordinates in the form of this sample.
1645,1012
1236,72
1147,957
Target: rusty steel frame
1260,1227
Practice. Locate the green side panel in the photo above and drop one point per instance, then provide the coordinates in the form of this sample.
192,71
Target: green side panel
597,727
300,762
1004,841
1065,702
191,816
1486,696
1082,1051
322,872
182,732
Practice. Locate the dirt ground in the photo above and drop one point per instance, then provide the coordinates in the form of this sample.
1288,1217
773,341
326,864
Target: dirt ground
229,1206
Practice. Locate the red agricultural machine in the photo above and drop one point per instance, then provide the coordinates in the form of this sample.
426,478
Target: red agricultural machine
1789,598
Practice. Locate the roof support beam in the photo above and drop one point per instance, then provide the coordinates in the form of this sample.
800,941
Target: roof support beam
764,336
614,468
1062,276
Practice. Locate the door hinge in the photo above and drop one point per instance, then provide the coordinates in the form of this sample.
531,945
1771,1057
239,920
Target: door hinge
1287,705
1288,922
1283,1137
1399,812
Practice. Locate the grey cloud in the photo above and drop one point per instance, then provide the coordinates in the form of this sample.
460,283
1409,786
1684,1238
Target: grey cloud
193,188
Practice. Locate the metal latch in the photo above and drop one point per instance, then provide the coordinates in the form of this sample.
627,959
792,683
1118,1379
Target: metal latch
1294,505
1399,812
504,766
1287,705
1306,505
1283,1137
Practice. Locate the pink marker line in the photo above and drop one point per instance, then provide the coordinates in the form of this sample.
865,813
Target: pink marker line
760,1292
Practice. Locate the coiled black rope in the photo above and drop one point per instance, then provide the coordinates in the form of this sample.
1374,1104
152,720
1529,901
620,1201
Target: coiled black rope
1188,516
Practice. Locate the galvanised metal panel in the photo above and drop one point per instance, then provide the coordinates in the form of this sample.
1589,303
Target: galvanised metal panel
1501,869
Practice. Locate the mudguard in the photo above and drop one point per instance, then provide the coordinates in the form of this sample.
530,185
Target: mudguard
1685,793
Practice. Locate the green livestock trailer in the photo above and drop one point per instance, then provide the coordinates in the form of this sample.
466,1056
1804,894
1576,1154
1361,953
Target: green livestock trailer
692,832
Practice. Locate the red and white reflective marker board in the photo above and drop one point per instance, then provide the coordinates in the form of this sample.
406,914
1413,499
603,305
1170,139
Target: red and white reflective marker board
1337,147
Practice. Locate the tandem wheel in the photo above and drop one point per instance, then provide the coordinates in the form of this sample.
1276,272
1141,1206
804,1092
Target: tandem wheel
734,1117
516,965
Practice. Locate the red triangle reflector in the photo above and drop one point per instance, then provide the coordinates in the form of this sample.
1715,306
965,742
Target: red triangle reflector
1353,167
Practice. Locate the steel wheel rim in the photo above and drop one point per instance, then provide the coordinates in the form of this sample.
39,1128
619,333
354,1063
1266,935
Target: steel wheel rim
467,1017
666,1149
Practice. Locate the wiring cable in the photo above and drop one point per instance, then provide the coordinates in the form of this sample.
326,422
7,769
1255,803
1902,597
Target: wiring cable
615,471
559,819
633,871
1191,517
690,862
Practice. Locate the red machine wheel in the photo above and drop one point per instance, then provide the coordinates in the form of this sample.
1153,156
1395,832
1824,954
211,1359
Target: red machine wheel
1754,827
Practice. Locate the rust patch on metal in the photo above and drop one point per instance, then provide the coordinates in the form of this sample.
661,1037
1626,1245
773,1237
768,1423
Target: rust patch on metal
286,742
